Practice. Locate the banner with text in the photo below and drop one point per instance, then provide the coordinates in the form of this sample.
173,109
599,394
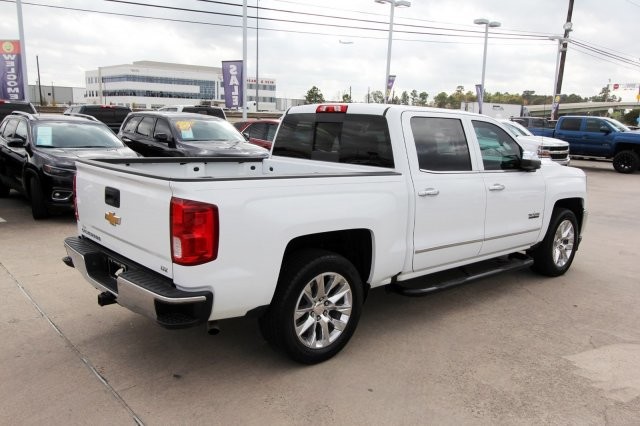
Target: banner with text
11,87
480,96
392,79
233,83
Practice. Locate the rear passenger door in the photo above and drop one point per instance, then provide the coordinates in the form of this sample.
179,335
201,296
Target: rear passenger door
449,194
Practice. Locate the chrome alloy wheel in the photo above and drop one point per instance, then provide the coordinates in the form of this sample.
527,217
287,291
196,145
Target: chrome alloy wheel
323,310
563,242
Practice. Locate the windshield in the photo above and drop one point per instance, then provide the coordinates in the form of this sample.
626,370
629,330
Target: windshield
196,129
516,129
618,125
74,135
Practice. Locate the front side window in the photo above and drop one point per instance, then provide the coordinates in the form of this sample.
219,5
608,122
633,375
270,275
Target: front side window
10,129
499,151
594,124
441,144
162,126
21,130
145,128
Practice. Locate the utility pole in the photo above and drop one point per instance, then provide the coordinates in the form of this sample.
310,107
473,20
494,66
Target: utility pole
563,57
39,81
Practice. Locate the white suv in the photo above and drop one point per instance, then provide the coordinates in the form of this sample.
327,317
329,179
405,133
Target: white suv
545,147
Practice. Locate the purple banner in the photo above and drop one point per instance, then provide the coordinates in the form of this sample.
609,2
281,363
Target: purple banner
11,87
233,83
392,79
480,96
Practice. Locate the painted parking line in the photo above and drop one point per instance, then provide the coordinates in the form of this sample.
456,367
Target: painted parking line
2,220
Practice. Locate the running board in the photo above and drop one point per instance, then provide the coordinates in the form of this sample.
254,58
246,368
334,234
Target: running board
442,280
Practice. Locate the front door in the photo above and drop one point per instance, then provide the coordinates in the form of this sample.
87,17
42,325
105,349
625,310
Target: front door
515,198
449,194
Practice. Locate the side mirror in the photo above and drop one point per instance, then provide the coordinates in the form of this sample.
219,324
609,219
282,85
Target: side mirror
16,143
605,129
530,164
161,137
246,135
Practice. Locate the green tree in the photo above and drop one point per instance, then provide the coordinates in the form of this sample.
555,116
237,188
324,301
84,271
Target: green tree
604,96
404,99
631,118
414,97
423,98
314,96
377,97
440,100
346,98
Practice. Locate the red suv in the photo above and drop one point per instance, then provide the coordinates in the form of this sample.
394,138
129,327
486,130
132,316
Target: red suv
258,132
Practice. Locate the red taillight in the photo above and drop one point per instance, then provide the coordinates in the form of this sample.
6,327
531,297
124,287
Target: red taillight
75,199
332,108
194,232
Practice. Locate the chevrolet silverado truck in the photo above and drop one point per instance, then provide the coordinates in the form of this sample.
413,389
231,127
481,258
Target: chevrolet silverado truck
352,197
597,137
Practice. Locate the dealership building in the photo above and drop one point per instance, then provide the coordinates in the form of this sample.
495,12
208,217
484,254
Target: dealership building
149,84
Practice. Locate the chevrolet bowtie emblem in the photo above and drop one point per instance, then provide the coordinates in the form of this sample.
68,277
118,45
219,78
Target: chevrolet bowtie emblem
112,218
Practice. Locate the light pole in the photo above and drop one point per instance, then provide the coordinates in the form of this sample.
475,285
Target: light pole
554,101
393,4
487,24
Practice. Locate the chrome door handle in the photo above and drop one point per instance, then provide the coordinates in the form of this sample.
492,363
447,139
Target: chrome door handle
124,139
429,191
496,187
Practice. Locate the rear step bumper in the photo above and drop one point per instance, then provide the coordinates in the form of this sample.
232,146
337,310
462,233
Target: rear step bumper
463,275
135,287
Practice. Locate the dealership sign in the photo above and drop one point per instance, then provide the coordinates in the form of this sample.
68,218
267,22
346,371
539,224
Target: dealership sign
11,87
233,83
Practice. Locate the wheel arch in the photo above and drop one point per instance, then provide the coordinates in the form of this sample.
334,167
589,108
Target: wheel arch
355,245
576,205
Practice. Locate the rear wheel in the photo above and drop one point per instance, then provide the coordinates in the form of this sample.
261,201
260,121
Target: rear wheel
316,307
555,254
38,205
626,161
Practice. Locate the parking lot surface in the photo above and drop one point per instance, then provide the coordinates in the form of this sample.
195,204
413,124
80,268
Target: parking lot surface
513,349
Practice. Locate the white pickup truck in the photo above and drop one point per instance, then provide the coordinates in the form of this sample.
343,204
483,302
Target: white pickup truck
353,196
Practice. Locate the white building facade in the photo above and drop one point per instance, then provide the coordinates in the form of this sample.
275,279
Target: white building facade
150,85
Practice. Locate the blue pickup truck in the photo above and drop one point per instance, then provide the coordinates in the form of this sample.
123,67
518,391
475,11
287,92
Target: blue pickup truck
597,137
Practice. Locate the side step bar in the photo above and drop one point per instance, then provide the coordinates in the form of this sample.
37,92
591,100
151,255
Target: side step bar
463,275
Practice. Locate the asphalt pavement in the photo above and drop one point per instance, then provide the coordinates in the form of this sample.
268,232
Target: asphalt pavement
513,349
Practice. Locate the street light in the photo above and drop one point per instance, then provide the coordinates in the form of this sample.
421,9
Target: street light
487,24
393,4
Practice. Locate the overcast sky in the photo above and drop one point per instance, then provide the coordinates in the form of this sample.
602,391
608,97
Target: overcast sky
350,53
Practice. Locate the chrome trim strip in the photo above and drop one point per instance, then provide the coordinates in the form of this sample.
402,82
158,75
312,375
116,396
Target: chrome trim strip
475,241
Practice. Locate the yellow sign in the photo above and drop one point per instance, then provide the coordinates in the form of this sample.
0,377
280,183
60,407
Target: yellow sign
638,97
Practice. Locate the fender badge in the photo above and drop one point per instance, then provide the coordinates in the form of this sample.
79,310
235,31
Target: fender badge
112,218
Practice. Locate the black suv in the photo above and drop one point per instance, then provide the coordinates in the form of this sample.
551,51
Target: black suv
38,153
111,115
181,134
7,107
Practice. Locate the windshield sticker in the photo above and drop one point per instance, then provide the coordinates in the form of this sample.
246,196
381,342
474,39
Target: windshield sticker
44,136
184,127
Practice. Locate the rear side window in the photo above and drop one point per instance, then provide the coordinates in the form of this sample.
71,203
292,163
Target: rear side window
338,138
571,124
441,144
131,125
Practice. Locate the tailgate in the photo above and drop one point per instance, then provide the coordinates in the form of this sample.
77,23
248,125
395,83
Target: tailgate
126,213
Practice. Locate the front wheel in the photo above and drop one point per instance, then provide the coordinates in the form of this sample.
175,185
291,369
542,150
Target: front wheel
316,307
626,161
38,204
554,255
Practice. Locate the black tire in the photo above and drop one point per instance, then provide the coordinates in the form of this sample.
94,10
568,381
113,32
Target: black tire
318,316
38,205
626,161
554,255
4,191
